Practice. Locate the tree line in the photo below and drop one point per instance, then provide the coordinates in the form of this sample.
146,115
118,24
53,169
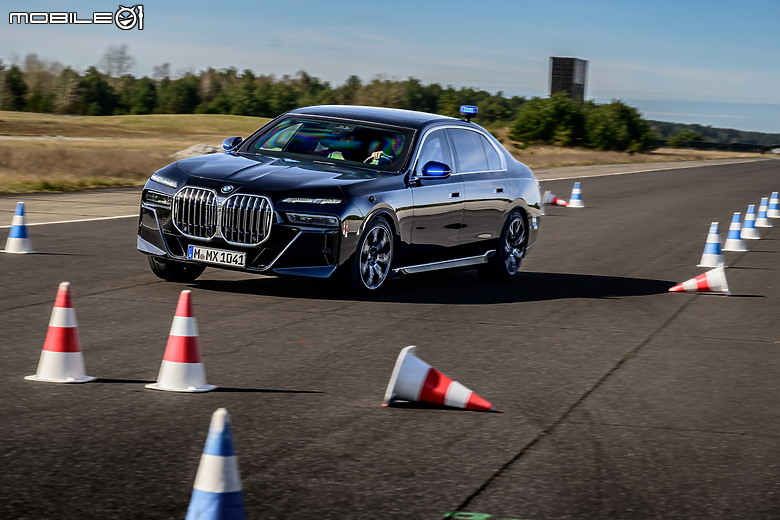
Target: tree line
109,88
36,85
681,133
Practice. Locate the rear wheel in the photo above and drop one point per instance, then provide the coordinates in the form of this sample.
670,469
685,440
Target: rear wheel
173,271
369,268
505,265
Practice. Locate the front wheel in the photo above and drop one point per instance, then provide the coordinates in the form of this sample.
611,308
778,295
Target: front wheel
173,271
369,268
505,265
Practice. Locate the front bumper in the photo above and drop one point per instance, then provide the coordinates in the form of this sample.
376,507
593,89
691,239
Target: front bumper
289,250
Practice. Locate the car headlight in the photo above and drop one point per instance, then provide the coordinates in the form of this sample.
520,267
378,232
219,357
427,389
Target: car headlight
312,220
154,197
164,180
309,200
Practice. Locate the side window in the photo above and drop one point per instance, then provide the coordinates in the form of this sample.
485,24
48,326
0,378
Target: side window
494,160
435,148
469,150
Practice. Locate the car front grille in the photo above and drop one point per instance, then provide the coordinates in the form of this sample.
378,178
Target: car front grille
241,219
195,212
246,219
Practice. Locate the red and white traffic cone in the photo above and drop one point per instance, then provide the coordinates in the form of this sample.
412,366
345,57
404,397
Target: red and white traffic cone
182,369
61,360
712,281
550,198
415,380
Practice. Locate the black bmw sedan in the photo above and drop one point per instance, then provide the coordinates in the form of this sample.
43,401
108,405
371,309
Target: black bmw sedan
368,193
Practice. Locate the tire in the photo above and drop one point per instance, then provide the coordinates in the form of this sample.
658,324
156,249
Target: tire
173,271
369,268
512,244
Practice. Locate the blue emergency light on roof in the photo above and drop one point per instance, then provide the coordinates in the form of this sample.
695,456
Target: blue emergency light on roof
468,111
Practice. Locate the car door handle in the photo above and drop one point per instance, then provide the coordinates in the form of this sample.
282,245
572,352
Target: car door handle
455,195
499,190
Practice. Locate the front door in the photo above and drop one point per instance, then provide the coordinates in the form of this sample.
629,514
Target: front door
438,204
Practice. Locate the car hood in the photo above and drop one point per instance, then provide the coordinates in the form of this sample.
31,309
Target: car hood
273,174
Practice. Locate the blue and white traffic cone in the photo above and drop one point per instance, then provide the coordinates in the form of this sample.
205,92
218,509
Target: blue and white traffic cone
762,220
18,238
734,241
216,494
576,197
712,256
749,231
774,206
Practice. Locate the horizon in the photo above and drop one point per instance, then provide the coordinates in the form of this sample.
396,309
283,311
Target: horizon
691,63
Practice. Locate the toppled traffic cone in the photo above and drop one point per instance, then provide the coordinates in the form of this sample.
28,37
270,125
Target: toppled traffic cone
749,231
762,220
415,380
712,256
216,494
18,237
576,197
550,198
61,360
774,206
734,240
182,369
711,281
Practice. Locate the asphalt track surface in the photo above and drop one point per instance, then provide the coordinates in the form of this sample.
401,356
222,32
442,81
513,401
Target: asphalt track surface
619,399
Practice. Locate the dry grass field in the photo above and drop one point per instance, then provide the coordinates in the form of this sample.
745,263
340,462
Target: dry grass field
41,152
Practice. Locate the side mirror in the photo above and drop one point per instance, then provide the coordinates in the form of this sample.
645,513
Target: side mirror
435,170
231,142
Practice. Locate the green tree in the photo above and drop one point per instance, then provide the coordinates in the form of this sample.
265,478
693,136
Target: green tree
66,92
96,96
283,97
40,76
416,96
244,98
557,120
311,91
616,126
143,99
683,137
448,103
179,96
347,93
14,90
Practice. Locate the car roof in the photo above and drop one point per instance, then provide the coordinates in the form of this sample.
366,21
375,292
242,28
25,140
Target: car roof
387,116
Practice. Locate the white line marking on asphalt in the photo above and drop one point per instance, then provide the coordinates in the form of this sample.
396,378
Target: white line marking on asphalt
671,167
72,221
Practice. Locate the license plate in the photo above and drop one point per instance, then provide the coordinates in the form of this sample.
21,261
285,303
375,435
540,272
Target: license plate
216,256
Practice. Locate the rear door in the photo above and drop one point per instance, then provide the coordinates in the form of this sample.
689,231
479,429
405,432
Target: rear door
482,170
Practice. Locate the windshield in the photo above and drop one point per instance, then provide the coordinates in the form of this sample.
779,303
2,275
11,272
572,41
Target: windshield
334,141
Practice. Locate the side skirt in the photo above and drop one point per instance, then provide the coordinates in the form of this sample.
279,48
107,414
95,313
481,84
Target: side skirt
446,264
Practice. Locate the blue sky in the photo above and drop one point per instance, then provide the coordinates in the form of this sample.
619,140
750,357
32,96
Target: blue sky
712,62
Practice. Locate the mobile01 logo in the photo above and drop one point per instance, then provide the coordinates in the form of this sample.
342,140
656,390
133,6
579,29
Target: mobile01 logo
125,18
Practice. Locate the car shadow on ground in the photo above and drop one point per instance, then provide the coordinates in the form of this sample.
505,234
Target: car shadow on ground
459,287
